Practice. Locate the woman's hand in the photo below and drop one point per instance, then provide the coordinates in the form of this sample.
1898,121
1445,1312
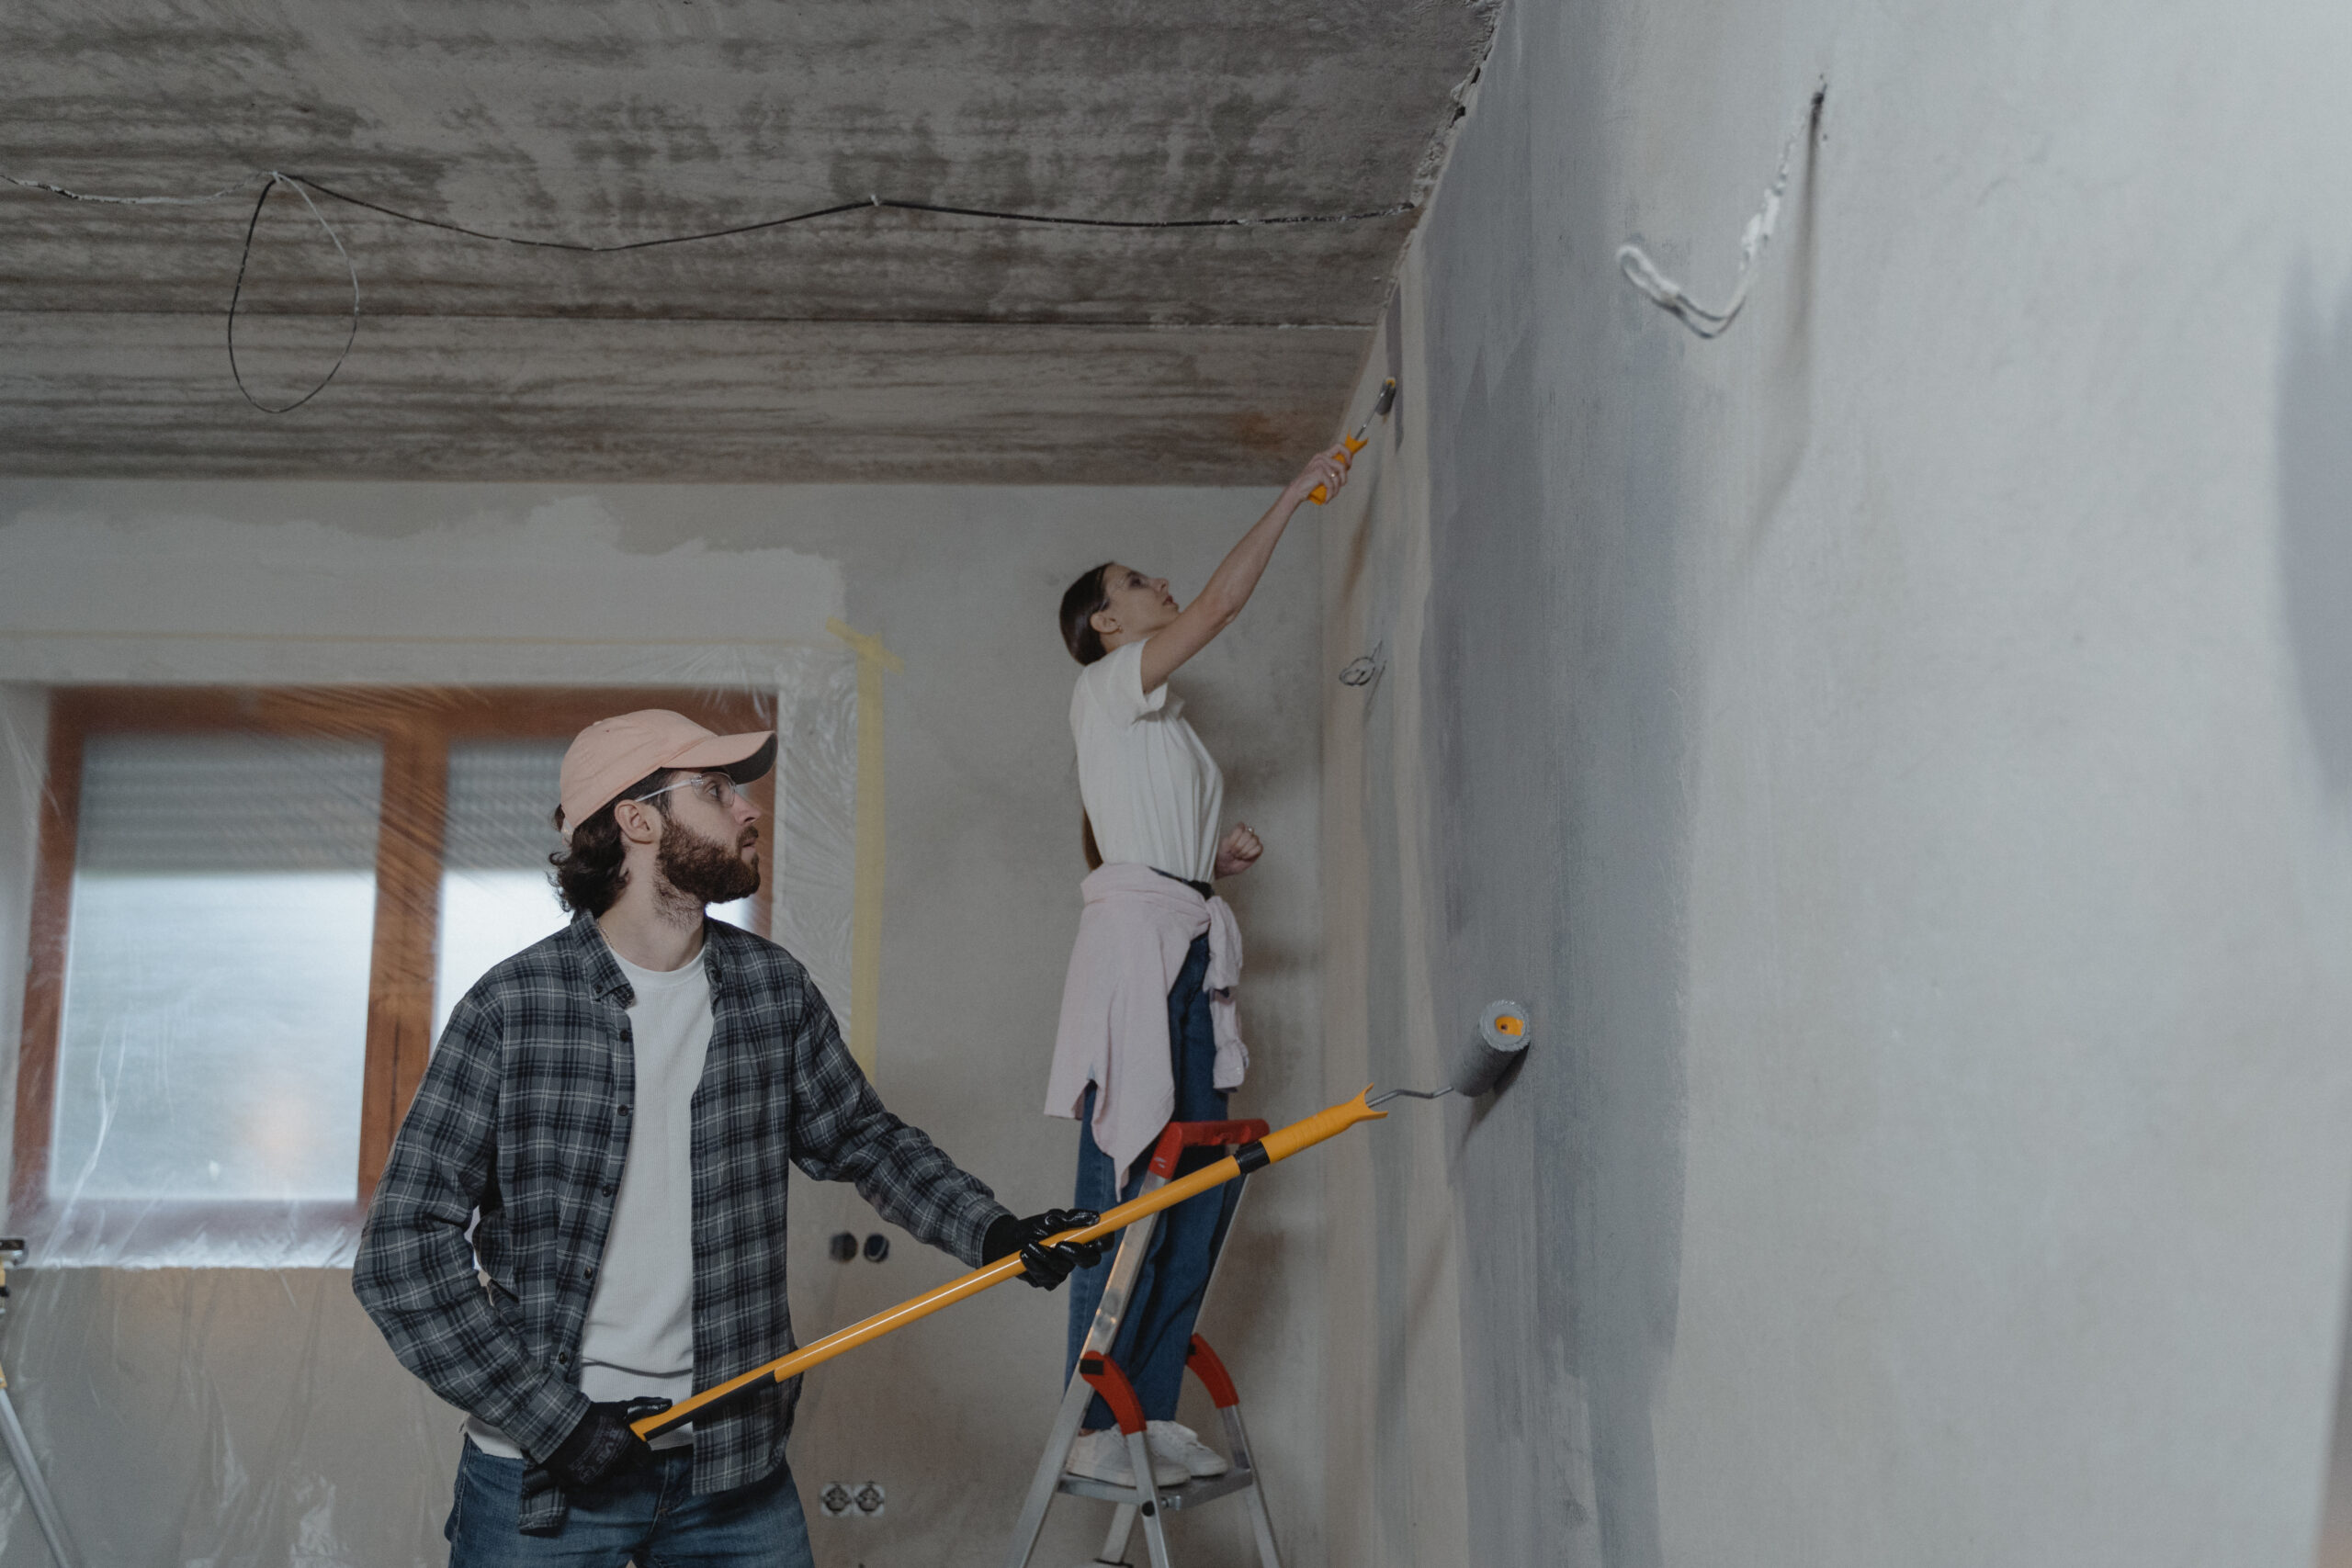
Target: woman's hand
1235,578
1239,852
1326,468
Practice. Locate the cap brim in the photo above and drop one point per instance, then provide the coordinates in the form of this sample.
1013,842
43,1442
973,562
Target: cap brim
741,757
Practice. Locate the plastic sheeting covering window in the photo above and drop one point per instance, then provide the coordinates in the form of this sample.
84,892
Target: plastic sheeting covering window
255,908
215,1018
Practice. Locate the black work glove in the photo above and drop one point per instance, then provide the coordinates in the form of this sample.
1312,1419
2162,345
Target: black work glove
601,1447
1047,1267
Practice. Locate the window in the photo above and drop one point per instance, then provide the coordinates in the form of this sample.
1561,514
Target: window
252,913
214,1022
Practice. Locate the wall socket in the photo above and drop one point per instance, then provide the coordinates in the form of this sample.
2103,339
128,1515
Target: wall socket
865,1499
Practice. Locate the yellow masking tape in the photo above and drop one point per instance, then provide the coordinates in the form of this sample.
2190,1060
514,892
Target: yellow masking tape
865,918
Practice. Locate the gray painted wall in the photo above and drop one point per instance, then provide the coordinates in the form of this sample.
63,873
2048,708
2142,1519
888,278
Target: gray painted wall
1898,752
254,1415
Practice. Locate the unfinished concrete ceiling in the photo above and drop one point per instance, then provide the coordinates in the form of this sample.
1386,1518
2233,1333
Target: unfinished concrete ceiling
872,344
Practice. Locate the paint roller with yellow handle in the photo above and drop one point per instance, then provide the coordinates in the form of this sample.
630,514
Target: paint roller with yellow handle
1279,1144
1356,443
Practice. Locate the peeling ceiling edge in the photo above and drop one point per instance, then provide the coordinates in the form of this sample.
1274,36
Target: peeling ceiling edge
1440,147
1026,323
1439,151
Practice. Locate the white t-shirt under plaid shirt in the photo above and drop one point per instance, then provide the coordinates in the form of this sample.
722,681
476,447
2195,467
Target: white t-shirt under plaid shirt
639,1336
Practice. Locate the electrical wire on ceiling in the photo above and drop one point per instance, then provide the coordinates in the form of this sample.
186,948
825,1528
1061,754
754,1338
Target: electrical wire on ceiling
238,290
303,186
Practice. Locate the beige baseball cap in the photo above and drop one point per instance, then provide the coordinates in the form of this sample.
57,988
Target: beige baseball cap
613,753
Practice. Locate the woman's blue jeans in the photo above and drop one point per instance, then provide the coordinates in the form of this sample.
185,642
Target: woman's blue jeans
1156,1332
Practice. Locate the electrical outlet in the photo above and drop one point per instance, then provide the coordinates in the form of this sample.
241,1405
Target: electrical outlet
865,1499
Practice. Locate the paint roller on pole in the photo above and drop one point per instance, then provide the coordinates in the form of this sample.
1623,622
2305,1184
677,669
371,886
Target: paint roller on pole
1356,443
1501,1038
1494,1050
1279,1144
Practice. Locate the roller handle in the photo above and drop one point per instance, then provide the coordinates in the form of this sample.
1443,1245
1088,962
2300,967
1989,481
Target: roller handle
1353,445
1280,1144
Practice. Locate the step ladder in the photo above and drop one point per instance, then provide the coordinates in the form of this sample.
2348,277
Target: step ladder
1098,1374
20,1449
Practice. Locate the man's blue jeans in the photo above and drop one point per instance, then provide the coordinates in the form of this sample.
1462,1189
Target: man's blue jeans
1156,1332
650,1517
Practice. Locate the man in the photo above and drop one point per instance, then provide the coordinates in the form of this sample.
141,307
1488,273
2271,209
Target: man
582,1218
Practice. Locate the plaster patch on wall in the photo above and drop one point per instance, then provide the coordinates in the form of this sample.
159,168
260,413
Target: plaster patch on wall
486,588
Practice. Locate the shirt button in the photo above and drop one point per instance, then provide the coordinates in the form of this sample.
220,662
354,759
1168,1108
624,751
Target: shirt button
563,1358
610,1190
622,1111
589,1273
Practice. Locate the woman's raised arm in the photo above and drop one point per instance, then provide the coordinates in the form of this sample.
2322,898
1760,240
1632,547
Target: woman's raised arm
1236,577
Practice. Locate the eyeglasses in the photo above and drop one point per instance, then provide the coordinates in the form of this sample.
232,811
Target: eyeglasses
716,788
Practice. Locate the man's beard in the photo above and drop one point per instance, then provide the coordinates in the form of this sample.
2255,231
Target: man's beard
699,869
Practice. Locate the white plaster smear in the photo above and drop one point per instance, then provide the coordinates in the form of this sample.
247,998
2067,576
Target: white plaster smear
96,586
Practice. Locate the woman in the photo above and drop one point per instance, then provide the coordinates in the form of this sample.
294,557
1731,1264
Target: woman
1147,1032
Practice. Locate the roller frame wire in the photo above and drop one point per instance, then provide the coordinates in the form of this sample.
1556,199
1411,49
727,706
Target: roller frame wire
1384,1098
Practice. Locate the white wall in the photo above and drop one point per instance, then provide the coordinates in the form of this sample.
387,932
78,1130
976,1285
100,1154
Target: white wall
1900,751
232,1459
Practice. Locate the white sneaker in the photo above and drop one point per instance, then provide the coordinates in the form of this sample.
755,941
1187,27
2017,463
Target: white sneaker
1103,1456
1175,1441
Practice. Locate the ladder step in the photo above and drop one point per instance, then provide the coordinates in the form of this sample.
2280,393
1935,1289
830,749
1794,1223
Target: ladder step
1190,1495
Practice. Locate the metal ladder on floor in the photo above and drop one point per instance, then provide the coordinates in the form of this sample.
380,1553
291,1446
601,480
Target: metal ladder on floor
20,1449
1098,1374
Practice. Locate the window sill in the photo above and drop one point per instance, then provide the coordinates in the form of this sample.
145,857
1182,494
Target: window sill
184,1233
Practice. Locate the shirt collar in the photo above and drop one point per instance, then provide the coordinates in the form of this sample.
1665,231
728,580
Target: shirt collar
597,965
604,971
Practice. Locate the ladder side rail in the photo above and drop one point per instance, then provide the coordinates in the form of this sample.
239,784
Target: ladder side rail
1110,1381
1204,1363
35,1485
1134,1242
1135,1246
1042,1486
1261,1524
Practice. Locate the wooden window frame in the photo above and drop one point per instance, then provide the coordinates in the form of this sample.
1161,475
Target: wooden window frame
416,725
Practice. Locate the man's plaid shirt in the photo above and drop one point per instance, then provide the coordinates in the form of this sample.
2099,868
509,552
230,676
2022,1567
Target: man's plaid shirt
523,1115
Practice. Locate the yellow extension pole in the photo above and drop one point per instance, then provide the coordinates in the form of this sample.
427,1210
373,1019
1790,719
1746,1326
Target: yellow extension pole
1278,1144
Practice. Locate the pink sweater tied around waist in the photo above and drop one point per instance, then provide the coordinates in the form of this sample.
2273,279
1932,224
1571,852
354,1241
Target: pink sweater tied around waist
1132,937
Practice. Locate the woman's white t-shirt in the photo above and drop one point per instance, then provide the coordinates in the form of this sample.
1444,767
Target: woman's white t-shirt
1151,789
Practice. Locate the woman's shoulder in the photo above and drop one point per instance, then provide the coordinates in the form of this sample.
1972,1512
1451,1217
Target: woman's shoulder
1113,686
